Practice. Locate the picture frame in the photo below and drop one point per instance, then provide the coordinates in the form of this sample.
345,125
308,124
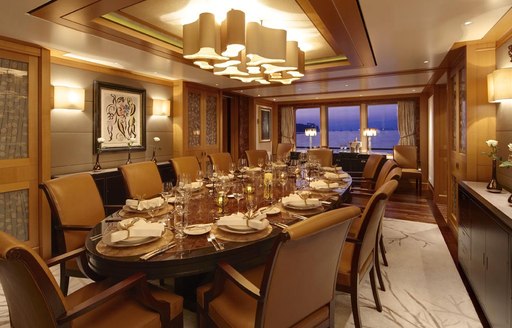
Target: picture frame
119,113
265,118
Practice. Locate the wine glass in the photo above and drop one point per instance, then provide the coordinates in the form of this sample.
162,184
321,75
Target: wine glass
283,179
232,168
238,193
304,195
261,162
199,176
180,220
251,204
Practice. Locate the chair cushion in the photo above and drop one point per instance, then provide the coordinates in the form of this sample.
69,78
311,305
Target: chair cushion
344,270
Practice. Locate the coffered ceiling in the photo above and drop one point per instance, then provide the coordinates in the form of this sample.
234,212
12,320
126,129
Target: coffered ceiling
353,48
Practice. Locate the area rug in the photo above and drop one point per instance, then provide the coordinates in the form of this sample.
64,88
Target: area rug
423,287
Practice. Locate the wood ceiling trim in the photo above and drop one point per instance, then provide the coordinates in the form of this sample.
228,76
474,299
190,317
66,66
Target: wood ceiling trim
350,101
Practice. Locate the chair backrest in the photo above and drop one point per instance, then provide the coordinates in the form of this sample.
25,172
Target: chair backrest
300,277
142,180
33,297
394,174
221,161
186,165
74,200
384,171
322,155
254,155
406,156
371,218
283,149
372,166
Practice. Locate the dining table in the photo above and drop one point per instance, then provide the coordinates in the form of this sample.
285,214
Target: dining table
197,253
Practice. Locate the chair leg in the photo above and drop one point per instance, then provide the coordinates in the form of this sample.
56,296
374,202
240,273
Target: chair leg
375,291
383,251
379,274
64,283
354,298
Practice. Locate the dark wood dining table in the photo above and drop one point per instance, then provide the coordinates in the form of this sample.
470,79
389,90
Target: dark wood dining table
194,254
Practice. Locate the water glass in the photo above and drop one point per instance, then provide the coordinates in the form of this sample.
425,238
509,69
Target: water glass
180,222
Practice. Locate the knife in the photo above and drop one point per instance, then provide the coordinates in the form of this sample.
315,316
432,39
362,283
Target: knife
157,251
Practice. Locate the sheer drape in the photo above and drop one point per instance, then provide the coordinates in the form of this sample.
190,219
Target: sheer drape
287,125
406,122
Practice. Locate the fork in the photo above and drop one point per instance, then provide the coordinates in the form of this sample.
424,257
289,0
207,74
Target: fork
210,240
214,240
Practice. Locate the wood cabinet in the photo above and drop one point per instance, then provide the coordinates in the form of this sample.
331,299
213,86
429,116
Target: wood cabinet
484,255
353,163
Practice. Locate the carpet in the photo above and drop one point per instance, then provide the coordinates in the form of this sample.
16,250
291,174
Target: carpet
423,287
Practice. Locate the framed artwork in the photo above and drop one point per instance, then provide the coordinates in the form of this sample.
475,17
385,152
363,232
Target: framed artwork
265,126
119,116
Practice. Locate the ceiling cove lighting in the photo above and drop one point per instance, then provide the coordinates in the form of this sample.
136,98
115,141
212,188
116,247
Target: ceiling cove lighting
246,52
499,85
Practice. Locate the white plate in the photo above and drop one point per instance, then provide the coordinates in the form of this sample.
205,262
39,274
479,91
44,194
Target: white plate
273,210
237,230
129,242
197,229
134,210
301,206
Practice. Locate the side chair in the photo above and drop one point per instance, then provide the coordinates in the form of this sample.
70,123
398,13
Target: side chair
324,156
141,180
186,165
283,149
76,208
406,157
358,255
294,288
371,170
221,161
254,155
35,300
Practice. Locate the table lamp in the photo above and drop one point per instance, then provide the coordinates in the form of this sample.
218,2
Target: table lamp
310,132
369,133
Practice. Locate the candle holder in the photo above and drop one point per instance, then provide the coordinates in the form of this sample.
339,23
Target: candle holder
221,201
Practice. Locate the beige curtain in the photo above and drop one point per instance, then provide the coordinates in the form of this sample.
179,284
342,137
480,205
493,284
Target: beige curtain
287,125
406,122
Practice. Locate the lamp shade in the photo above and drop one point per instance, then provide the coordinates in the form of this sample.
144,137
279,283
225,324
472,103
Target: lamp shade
499,85
201,39
369,132
161,107
265,45
233,33
310,132
68,98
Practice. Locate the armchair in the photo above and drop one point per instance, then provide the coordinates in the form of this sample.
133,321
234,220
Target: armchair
142,180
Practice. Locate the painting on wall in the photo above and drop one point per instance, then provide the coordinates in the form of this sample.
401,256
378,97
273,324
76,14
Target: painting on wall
119,117
264,118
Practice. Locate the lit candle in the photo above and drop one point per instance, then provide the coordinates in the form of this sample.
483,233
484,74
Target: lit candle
249,188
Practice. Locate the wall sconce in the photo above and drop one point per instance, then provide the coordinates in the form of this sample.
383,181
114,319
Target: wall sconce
369,133
499,85
161,107
310,132
68,98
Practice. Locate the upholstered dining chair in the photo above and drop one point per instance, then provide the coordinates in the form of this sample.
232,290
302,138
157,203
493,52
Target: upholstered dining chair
254,155
371,170
322,155
221,161
35,300
141,180
381,177
406,157
76,207
358,255
294,287
283,149
186,165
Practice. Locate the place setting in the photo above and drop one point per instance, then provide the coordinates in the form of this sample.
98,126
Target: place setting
301,202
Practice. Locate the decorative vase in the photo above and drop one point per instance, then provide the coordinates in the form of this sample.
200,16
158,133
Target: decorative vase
493,185
153,158
97,166
129,160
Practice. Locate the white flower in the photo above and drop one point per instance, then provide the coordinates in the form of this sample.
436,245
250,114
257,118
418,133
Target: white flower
101,140
492,143
131,141
156,139
510,147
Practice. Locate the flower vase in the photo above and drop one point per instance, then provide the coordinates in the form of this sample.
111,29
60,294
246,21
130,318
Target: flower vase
97,166
129,160
153,158
493,185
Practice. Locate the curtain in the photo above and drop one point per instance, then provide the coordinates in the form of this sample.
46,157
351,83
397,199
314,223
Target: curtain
406,122
287,125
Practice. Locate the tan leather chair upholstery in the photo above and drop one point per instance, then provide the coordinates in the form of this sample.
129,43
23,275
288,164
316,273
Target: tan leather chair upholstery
358,256
370,171
295,287
142,180
282,150
324,156
76,207
35,300
221,161
254,155
186,165
407,158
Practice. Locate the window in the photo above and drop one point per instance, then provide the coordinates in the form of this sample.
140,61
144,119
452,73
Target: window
307,118
343,125
384,118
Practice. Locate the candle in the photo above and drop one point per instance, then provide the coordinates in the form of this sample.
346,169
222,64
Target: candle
249,188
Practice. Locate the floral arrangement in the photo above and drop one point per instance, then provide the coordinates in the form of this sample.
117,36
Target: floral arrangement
493,153
508,162
156,140
131,141
100,144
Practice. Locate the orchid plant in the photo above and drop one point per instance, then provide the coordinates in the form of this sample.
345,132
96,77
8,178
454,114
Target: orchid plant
508,162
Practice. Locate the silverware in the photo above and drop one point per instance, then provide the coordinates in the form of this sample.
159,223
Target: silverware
96,237
157,251
280,225
214,240
210,240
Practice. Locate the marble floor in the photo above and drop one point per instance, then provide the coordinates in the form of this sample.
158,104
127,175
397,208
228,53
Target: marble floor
424,288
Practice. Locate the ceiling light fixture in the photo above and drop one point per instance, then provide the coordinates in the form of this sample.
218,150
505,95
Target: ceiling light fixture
246,52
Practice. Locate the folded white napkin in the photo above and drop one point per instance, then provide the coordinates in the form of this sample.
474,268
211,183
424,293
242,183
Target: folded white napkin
237,219
194,185
320,184
136,227
331,169
295,200
145,204
254,169
336,176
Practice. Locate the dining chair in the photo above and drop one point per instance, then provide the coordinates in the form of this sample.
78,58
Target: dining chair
294,287
324,156
141,180
76,208
358,255
406,157
35,300
186,165
381,177
283,149
371,170
254,155
221,161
